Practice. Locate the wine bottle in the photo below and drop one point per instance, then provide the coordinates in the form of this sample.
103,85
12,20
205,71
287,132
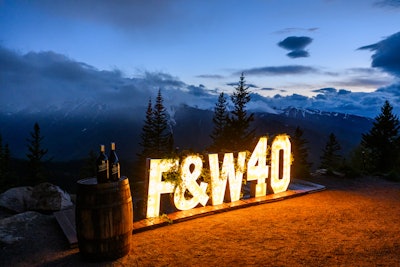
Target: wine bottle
113,163
102,166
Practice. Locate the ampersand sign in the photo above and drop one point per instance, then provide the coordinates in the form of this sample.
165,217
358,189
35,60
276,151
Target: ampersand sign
189,183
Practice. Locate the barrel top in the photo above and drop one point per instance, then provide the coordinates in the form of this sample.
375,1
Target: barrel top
93,181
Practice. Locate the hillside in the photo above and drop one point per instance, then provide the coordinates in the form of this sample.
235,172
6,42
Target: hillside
71,137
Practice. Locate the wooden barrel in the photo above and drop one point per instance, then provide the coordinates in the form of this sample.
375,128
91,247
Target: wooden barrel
104,219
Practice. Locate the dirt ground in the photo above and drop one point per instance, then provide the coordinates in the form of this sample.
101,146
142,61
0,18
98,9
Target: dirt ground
351,223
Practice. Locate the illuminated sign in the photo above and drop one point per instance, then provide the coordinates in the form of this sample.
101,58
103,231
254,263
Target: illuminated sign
225,181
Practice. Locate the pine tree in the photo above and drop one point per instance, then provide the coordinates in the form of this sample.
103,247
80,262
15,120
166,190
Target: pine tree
1,158
300,167
7,177
241,137
3,178
147,136
35,156
156,138
381,144
330,158
220,121
162,133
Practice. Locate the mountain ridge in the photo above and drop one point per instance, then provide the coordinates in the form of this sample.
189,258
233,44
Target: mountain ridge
71,136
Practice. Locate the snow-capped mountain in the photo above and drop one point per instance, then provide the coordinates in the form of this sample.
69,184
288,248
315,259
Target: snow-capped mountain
71,135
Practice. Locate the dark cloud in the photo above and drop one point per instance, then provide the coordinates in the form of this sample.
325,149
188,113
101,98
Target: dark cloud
363,82
51,81
343,92
294,29
386,54
388,3
298,53
393,89
267,89
280,70
328,90
127,14
210,76
296,44
250,85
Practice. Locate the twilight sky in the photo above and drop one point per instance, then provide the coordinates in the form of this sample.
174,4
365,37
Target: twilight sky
333,55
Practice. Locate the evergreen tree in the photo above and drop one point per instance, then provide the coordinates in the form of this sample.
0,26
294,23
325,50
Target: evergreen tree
330,158
381,144
156,138
35,156
220,120
3,178
300,167
162,133
1,157
7,177
241,137
147,136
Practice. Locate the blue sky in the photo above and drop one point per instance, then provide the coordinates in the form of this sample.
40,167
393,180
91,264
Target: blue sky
328,54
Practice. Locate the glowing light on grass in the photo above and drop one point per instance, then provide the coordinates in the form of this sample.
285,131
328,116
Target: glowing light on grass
228,175
191,170
280,145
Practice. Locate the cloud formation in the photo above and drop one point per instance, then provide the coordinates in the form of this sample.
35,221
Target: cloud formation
388,3
210,76
49,81
386,54
296,44
294,29
126,14
279,70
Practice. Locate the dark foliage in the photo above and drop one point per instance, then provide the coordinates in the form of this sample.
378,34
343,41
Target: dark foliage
240,135
35,156
6,174
330,158
300,167
382,143
220,121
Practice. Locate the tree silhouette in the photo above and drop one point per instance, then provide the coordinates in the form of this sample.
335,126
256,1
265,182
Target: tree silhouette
162,133
238,130
220,121
381,145
330,158
147,135
6,178
35,156
300,166
156,137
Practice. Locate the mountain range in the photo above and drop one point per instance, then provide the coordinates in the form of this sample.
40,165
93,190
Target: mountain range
71,135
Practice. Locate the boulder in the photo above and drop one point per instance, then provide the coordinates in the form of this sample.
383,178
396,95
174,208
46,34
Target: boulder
16,199
12,228
49,197
43,197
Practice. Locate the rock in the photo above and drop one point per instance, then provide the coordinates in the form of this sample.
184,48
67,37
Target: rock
10,227
16,199
43,197
49,197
